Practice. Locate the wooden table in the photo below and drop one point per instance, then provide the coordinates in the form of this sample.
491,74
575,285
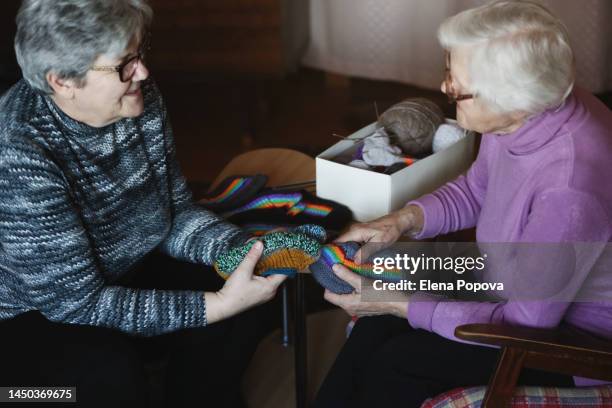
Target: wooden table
283,167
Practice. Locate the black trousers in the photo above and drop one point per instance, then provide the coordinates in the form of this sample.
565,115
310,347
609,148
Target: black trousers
387,364
192,367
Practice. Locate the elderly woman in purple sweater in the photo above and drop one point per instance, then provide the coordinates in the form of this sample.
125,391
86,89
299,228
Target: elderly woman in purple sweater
540,176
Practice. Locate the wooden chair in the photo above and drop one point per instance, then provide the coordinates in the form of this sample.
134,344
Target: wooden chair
565,350
282,166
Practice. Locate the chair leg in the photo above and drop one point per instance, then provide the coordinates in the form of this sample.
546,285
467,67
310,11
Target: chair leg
502,383
299,341
285,295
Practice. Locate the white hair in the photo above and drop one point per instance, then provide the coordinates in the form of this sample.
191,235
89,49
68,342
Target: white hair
521,57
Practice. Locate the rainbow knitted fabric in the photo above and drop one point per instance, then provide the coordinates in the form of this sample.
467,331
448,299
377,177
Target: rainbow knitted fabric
344,254
286,252
233,188
274,200
293,202
233,192
317,210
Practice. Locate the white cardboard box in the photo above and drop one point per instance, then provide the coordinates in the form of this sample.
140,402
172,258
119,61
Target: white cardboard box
370,194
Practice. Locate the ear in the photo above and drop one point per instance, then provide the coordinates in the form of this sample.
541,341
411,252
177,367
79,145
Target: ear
61,87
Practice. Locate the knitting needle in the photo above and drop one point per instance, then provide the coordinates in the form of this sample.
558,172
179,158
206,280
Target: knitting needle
359,139
294,185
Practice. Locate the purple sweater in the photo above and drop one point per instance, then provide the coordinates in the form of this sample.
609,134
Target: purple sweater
545,182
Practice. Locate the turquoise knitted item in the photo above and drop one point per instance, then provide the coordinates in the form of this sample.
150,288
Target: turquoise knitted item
285,252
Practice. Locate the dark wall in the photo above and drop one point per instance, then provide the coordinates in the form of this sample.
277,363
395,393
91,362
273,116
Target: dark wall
9,72
205,38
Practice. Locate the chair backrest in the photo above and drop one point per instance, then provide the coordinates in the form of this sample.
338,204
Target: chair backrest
282,166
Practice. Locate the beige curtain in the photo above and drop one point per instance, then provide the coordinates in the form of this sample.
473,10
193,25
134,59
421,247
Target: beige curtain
396,39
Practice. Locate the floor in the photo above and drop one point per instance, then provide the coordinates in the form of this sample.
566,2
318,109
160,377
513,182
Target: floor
269,381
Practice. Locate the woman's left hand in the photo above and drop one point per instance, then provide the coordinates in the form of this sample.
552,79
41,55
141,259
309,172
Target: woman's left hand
352,303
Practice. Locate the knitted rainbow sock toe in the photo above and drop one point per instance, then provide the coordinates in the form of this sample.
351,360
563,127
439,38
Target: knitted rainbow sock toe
344,253
322,269
233,192
285,252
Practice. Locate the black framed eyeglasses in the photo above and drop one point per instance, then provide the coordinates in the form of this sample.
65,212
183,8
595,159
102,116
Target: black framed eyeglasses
453,96
127,68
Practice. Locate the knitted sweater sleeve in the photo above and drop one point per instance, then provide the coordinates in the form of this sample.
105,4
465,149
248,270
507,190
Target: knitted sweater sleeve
197,235
456,205
49,255
543,278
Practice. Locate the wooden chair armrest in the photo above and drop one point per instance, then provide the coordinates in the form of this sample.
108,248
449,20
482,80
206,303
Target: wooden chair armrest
564,340
564,350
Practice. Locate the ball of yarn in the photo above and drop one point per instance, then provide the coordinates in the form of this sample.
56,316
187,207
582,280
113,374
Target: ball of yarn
412,124
447,135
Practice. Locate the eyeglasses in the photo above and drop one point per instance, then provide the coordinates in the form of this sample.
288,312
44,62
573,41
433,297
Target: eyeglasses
127,68
452,95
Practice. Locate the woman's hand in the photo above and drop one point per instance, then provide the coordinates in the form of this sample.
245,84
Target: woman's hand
242,290
352,303
385,231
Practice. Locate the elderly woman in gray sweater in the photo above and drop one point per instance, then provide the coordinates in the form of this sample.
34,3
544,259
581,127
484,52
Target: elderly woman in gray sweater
98,231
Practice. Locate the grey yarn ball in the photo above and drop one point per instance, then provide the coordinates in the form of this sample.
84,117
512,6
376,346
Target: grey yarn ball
412,124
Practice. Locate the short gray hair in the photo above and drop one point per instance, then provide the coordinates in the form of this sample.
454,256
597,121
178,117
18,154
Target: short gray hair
522,59
66,36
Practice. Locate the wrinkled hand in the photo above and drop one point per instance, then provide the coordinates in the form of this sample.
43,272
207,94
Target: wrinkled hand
383,232
242,290
352,303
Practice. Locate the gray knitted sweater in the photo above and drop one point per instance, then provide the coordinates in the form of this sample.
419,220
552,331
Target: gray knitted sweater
80,205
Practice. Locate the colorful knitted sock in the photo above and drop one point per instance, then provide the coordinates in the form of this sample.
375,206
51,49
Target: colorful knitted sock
344,253
315,210
233,192
284,252
266,201
309,208
291,208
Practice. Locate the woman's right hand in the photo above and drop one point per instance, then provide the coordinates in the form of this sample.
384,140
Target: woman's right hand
384,231
242,290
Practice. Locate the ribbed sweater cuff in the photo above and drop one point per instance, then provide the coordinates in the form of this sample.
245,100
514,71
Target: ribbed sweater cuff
199,309
432,215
